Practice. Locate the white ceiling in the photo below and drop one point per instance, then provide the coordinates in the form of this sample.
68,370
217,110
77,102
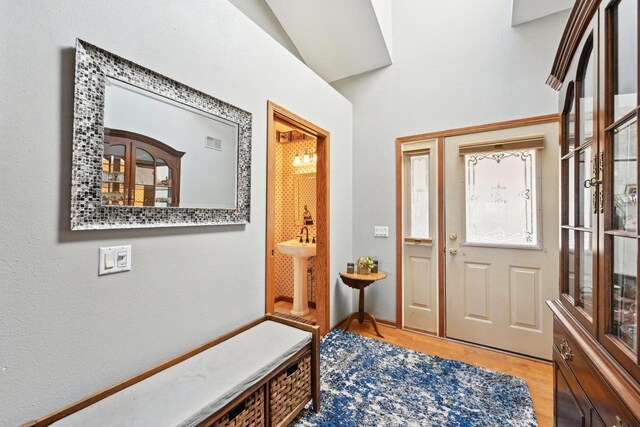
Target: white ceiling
528,10
342,38
336,38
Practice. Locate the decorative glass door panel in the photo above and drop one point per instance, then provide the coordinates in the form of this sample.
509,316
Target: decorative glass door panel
501,199
418,201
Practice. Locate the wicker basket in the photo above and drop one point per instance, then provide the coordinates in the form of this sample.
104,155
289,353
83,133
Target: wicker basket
248,413
290,389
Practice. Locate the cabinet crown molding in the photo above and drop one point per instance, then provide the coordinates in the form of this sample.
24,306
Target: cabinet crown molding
579,19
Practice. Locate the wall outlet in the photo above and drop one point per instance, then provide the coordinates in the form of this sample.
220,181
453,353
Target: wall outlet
114,259
380,231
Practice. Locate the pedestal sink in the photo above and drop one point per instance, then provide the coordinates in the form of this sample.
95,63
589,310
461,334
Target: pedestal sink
300,252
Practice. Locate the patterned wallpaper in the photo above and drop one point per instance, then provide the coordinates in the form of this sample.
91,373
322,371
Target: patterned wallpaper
285,228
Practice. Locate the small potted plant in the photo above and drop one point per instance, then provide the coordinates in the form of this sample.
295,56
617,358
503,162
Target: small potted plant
365,264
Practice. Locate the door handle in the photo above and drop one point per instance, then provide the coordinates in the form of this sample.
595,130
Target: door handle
453,236
453,251
592,182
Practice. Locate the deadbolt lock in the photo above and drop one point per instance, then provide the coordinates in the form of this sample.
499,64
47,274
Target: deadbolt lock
453,236
453,251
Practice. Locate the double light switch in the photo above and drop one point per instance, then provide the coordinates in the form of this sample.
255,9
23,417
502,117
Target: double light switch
114,259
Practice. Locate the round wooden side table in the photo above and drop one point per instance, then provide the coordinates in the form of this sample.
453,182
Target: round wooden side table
361,281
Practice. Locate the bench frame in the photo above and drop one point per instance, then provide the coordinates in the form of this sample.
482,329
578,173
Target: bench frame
313,347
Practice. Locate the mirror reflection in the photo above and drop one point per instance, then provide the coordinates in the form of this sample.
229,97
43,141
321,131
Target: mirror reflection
304,190
158,152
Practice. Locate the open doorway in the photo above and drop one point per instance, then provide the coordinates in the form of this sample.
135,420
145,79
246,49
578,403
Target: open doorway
297,240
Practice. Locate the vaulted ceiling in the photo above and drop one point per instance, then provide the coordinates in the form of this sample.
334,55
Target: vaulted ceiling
342,38
335,38
523,11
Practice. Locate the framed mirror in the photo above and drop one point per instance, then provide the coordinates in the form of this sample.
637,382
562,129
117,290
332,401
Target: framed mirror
151,152
304,191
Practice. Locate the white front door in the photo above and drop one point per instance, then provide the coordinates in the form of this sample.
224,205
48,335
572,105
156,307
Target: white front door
420,250
501,224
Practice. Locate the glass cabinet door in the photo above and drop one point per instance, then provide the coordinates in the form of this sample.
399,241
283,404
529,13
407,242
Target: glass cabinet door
620,326
144,190
568,200
138,170
580,192
164,184
622,237
114,167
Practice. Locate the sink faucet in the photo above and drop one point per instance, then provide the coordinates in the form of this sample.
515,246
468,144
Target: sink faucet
307,230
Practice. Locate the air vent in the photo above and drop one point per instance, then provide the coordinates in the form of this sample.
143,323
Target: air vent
214,143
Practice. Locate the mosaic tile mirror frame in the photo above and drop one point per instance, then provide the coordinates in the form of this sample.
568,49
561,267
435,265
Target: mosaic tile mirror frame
94,67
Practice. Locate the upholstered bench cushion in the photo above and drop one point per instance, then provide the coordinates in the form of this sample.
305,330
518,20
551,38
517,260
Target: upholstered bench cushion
191,391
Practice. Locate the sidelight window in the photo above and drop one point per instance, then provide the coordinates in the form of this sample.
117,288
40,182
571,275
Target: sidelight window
417,200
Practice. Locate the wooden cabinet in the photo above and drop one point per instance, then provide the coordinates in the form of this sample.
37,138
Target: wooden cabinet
569,399
139,171
596,351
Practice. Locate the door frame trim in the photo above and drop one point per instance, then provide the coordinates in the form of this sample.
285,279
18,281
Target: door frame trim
276,112
440,136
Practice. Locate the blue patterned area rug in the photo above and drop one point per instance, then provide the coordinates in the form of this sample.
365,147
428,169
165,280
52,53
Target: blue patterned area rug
366,382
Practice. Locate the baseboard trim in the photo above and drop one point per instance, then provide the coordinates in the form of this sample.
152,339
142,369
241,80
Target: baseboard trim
387,323
340,323
384,322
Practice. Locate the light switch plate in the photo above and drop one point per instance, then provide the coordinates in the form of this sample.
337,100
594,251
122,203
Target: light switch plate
114,259
380,231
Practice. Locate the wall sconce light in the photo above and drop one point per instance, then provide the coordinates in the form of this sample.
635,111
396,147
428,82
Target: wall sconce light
305,159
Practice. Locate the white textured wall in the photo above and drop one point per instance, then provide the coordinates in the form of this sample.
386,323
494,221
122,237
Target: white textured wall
64,332
455,63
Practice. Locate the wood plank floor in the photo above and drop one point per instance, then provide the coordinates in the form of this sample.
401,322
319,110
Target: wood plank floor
538,375
285,308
